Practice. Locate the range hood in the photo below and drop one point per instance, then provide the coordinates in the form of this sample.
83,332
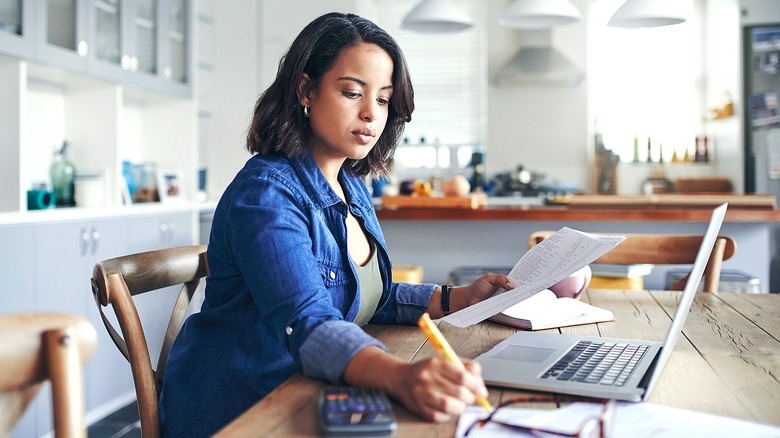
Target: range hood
537,63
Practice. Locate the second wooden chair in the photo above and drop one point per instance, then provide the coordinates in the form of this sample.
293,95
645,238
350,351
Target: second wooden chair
35,347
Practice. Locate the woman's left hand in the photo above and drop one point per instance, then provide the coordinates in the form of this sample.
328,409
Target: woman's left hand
484,287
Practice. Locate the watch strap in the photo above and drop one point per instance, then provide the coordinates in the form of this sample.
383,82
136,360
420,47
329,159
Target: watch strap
446,289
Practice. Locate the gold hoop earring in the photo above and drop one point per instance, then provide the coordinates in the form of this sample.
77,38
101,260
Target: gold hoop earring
306,111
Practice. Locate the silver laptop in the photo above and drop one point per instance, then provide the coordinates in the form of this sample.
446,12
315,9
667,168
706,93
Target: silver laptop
623,369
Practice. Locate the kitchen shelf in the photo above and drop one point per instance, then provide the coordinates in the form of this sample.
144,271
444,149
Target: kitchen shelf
106,110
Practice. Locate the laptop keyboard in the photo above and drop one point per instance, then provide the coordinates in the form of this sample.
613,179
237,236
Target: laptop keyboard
604,363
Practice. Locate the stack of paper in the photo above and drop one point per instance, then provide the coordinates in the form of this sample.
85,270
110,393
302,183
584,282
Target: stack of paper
636,420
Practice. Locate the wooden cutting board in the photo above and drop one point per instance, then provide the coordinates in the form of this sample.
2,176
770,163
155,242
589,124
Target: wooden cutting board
476,200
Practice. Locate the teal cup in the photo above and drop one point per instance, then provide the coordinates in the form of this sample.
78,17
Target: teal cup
39,199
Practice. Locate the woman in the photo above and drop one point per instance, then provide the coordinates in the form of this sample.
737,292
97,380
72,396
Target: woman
297,259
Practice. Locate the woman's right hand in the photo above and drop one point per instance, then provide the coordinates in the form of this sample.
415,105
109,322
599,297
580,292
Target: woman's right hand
438,390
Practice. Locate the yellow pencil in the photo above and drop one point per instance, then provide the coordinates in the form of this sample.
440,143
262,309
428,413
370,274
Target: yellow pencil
443,348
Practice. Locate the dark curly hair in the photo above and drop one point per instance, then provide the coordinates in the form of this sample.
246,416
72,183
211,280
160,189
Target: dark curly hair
278,124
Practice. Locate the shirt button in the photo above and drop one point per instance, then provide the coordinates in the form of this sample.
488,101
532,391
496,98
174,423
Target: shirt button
288,330
332,275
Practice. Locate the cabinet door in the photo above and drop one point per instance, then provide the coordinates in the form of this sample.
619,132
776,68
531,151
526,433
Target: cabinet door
108,24
176,66
16,270
61,33
16,22
65,255
147,234
156,232
145,39
162,46
16,294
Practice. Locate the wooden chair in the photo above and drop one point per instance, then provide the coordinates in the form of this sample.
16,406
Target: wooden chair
116,281
659,249
36,347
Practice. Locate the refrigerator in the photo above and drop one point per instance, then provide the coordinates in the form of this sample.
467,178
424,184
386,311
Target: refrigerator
761,83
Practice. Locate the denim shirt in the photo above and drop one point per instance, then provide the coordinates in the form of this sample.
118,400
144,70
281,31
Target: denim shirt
280,296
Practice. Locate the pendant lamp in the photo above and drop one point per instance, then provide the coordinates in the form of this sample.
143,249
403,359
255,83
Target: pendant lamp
635,14
539,14
436,16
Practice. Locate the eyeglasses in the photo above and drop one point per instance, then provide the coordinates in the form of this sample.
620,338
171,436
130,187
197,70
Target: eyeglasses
591,426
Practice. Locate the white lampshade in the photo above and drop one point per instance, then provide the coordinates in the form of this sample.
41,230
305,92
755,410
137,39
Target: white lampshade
539,14
436,16
635,14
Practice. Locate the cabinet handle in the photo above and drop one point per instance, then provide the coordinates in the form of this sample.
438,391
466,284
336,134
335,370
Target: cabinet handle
84,243
125,63
95,240
164,233
82,48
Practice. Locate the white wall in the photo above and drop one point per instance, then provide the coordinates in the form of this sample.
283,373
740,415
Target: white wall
544,128
235,76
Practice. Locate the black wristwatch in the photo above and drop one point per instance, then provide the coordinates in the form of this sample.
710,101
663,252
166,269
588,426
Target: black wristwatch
445,298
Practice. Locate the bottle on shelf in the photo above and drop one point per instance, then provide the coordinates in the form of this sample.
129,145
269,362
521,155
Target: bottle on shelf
636,148
478,172
63,176
706,149
649,151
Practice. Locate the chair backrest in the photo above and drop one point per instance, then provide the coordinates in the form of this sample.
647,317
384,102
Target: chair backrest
662,249
36,347
116,281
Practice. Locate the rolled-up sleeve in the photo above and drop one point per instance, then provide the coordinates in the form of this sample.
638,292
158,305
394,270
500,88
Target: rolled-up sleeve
330,347
406,304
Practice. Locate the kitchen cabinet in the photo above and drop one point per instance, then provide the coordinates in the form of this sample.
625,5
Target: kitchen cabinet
50,271
65,253
144,43
16,22
140,43
114,79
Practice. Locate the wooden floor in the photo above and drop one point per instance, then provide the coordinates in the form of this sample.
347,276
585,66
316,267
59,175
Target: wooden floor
123,423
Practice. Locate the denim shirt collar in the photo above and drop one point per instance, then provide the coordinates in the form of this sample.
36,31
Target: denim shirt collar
320,191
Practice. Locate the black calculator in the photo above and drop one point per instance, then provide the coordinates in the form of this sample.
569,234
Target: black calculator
348,411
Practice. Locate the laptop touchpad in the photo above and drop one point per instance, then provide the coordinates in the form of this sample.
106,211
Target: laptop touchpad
524,354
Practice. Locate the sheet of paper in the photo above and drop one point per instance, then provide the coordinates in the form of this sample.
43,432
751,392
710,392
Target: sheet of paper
547,263
636,420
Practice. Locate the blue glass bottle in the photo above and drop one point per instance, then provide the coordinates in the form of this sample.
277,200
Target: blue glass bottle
63,174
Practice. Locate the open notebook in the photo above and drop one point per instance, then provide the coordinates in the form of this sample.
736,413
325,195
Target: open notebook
544,310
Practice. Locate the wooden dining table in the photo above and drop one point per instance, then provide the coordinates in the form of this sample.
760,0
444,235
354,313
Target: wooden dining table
726,363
